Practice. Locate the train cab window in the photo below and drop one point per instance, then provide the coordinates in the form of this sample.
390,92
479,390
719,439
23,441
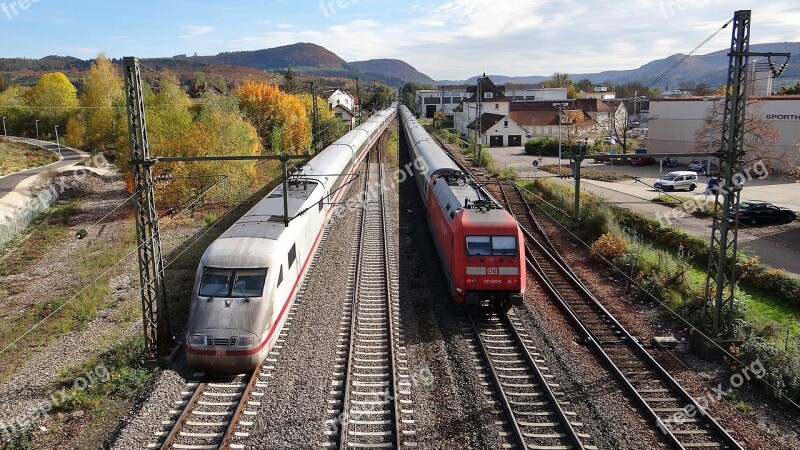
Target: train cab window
280,276
321,204
249,283
292,255
479,245
216,282
504,246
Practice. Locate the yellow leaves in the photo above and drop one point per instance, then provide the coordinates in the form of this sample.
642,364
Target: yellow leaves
56,96
279,118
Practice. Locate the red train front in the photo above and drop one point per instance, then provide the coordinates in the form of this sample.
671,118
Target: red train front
480,244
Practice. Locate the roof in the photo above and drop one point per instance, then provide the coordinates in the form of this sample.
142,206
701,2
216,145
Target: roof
486,85
523,86
343,108
535,118
486,121
593,105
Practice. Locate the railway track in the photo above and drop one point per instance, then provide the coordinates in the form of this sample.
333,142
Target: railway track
661,398
536,417
207,417
370,404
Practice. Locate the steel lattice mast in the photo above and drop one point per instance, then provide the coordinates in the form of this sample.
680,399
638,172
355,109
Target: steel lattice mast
151,263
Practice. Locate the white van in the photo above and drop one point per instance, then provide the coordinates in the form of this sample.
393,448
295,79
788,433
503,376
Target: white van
677,180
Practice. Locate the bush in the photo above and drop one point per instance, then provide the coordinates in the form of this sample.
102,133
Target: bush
782,368
610,246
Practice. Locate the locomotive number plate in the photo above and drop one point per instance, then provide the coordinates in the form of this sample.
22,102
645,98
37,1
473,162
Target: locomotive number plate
491,270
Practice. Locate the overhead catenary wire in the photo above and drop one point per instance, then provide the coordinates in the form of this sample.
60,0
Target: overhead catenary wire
651,295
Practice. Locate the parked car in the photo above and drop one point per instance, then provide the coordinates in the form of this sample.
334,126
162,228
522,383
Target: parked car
753,213
702,166
604,158
643,161
670,162
674,181
610,140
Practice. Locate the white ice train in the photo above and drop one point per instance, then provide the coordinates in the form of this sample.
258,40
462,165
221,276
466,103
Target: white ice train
248,277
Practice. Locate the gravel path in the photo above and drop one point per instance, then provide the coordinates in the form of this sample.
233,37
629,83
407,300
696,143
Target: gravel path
293,409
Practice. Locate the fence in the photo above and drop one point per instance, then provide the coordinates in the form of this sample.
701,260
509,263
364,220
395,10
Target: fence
13,223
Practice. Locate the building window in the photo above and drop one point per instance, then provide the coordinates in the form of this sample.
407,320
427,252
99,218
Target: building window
488,95
505,124
497,106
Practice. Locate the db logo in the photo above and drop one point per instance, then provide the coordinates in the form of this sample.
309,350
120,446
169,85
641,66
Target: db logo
491,270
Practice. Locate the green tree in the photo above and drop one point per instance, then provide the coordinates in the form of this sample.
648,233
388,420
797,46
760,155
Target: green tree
789,90
103,99
408,94
558,80
290,84
55,99
381,98
3,84
14,106
585,85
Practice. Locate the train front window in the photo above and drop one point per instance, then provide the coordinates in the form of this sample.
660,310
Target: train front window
504,246
216,282
491,246
249,283
479,245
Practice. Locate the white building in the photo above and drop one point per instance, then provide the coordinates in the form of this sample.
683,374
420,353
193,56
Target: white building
340,97
345,115
448,98
674,124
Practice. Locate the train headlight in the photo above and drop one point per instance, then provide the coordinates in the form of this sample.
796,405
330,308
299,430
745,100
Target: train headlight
245,341
197,339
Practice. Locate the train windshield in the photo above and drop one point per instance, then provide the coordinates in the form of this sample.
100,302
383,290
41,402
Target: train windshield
491,246
232,283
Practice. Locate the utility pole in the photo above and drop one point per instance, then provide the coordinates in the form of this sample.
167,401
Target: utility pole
315,123
560,114
721,278
157,333
480,120
358,97
37,132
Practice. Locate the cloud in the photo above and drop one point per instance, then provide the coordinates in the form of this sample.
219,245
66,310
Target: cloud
283,25
193,31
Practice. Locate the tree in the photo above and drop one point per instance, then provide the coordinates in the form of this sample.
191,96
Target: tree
573,127
634,89
620,123
219,129
381,98
408,94
14,106
584,85
760,136
290,84
793,90
3,84
558,80
55,99
571,92
279,118
331,127
103,99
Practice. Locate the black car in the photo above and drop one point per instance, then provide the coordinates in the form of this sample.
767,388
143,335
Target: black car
754,213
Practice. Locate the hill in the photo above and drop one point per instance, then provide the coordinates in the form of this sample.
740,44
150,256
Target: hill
709,69
303,58
392,68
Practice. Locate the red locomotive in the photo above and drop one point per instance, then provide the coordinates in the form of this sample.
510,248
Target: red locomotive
479,243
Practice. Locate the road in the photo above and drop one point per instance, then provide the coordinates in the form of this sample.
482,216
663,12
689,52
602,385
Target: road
69,157
777,246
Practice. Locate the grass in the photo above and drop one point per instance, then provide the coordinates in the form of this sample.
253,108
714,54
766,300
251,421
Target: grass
392,148
68,312
15,157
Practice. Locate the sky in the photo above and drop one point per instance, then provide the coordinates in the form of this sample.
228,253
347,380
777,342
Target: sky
445,39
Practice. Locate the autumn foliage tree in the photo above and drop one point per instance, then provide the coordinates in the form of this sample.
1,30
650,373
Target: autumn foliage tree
103,102
280,118
55,98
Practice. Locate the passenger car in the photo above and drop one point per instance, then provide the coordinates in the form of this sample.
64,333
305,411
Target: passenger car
702,166
643,161
677,180
753,213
